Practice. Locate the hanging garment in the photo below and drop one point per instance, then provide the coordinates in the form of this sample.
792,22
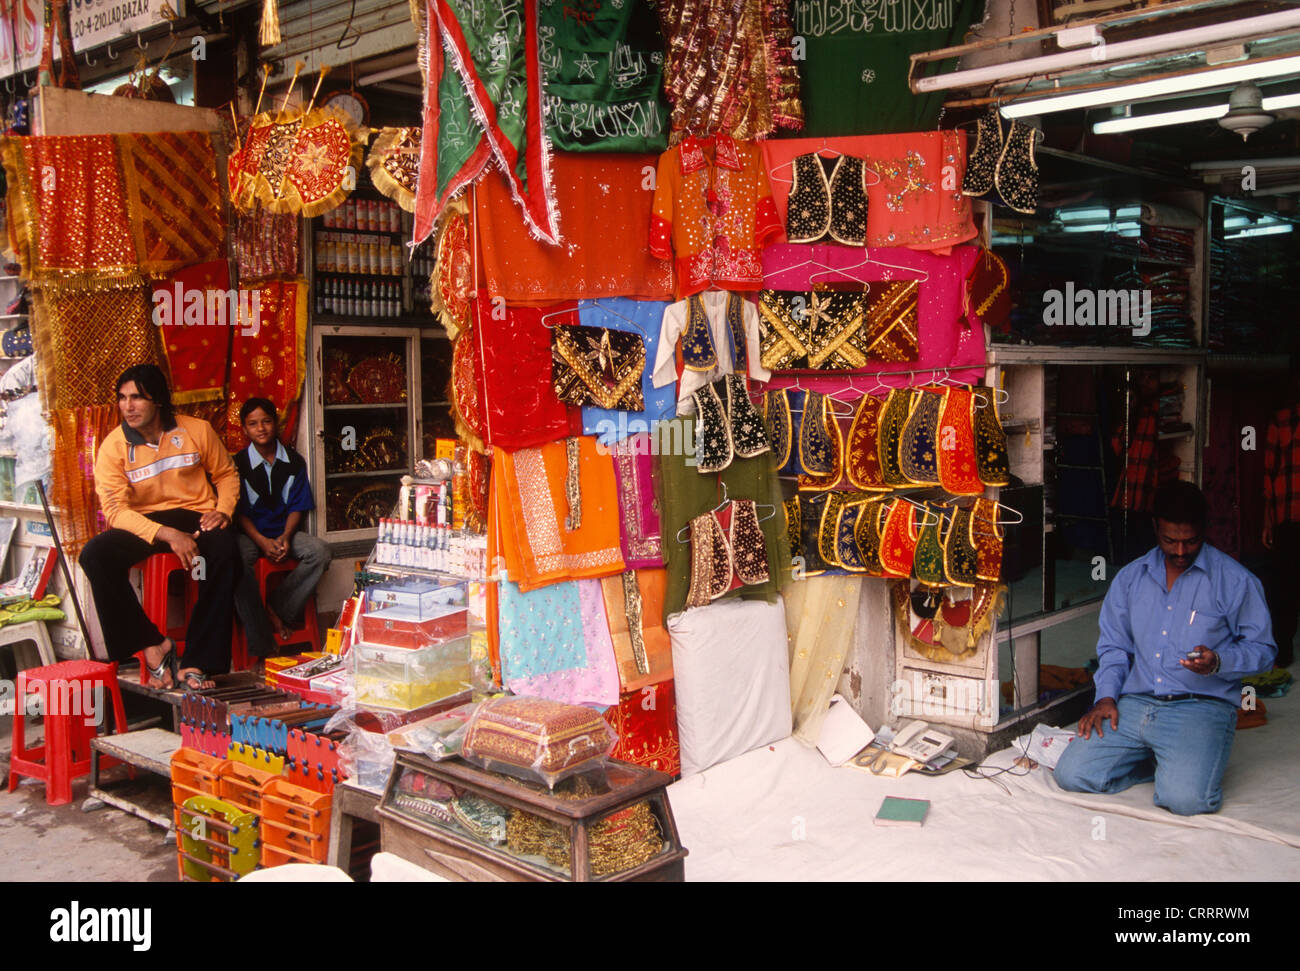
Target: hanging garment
828,200
1016,177
730,67
958,472
685,494
804,435
793,523
483,101
988,291
465,389
828,529
748,547
597,366
198,349
1003,160
643,318
867,534
986,536
728,426
645,720
514,349
634,603
846,544
983,161
712,214
820,617
640,532
918,451
717,333
862,447
991,458
451,288
898,539
711,566
603,68
913,198
960,558
893,418
927,562
949,334
532,504
841,330
604,210
811,507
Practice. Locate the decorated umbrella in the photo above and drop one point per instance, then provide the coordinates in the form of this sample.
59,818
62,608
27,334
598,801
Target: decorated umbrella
298,161
394,163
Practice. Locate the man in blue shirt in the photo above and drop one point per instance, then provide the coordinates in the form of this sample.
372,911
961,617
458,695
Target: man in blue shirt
274,493
1180,627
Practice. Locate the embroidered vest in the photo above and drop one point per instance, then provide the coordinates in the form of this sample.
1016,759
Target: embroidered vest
960,559
918,447
927,563
828,206
866,533
846,545
991,459
898,539
892,419
862,450
986,537
957,471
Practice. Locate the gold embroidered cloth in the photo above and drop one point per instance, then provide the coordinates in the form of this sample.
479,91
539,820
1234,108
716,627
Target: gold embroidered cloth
598,366
838,329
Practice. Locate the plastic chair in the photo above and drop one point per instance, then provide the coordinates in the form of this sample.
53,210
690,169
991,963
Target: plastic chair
70,720
307,632
157,570
30,630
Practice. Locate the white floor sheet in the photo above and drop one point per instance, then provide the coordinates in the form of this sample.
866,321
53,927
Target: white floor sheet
782,813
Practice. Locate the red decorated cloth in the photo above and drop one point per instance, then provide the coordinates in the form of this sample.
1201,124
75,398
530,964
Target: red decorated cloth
646,722
195,318
268,356
514,349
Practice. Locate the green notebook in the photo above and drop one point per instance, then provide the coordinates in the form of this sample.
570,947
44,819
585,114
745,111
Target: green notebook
902,812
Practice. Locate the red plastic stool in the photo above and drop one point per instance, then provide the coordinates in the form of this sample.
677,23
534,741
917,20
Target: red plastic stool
157,570
308,631
69,727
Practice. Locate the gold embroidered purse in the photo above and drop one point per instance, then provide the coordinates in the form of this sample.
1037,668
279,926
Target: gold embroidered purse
598,366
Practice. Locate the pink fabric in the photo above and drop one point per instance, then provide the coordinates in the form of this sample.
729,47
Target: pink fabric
914,199
638,508
947,335
596,683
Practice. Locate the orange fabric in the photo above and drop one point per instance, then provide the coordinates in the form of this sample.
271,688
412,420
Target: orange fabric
196,338
915,202
604,204
957,469
529,487
713,214
653,585
898,539
268,356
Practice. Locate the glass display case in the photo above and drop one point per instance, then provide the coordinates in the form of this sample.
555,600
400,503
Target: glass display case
469,824
366,383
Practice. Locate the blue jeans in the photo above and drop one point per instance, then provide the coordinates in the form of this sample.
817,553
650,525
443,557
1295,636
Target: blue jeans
288,599
1183,745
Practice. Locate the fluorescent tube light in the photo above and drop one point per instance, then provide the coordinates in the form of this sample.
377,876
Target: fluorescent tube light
1177,84
1262,231
1184,116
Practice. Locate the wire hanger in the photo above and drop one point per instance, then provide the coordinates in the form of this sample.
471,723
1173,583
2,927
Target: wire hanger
611,310
557,313
1020,517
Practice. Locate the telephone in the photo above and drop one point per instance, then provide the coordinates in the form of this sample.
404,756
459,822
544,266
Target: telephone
918,741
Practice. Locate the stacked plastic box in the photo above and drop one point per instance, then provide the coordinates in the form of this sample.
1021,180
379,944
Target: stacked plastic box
412,644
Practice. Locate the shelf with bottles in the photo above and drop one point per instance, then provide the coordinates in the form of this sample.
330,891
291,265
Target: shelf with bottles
362,213
366,297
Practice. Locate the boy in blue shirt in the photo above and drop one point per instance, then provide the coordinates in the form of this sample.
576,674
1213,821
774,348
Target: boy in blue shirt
274,493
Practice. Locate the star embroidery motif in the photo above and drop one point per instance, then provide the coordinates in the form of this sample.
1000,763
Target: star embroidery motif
314,159
868,76
817,312
586,67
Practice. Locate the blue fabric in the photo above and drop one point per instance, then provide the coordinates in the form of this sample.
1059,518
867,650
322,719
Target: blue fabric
646,318
1146,629
1182,745
541,631
269,518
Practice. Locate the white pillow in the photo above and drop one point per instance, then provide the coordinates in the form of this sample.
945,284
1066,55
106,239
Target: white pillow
731,676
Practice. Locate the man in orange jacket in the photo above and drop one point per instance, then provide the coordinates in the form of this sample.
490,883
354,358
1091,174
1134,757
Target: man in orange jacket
165,481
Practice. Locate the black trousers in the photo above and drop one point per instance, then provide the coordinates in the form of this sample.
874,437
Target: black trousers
107,560
1282,588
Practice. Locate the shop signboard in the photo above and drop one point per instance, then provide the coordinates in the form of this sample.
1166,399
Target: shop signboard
94,23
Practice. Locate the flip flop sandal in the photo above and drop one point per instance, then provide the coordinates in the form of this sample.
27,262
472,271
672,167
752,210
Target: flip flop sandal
194,681
166,666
